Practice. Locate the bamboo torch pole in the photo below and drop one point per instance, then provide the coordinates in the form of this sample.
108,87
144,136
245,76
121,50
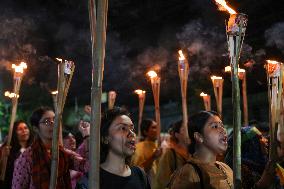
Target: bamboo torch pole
155,82
111,99
206,100
183,71
218,92
98,25
235,35
18,76
65,74
141,97
275,79
242,77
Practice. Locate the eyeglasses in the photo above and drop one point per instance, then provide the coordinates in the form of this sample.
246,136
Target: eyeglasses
47,122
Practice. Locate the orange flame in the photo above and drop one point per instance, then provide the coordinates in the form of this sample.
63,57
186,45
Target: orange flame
11,95
181,56
19,68
59,59
152,74
54,92
139,91
203,94
222,5
215,77
240,70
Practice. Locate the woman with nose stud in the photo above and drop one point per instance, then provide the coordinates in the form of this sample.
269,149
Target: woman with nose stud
208,139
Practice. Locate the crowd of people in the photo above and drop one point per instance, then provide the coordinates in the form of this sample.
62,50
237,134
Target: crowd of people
202,161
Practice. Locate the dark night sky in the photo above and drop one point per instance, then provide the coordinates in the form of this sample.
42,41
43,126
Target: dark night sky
141,35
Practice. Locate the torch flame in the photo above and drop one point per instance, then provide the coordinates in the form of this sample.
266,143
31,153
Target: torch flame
54,92
240,70
228,69
181,56
152,74
139,91
203,94
19,68
215,77
272,62
59,59
222,5
10,95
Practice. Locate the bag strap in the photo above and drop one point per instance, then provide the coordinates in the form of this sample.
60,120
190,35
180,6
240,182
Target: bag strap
175,158
198,170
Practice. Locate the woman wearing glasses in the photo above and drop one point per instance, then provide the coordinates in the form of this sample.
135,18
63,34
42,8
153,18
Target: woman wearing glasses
32,169
21,139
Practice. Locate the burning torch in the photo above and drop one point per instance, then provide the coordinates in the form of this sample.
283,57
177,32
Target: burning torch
274,72
65,74
218,92
155,82
111,99
206,101
18,76
141,97
183,71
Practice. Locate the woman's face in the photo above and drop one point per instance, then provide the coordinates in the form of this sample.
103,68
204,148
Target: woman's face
122,137
215,135
46,125
69,142
152,131
182,137
23,132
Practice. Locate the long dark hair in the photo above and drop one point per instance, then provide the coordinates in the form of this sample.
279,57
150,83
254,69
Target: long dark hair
145,125
175,128
196,124
15,144
107,119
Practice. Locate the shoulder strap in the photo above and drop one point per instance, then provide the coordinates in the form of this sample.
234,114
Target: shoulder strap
142,175
198,170
175,158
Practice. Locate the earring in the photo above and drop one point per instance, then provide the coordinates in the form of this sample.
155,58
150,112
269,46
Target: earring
105,141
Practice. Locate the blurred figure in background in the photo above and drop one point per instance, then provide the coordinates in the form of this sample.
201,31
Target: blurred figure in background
174,157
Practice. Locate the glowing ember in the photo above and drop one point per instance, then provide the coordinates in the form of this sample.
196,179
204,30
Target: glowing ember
19,68
222,5
59,59
181,56
54,92
152,74
215,77
203,94
139,91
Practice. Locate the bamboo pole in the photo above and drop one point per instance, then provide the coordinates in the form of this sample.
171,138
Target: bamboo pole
218,92
141,98
235,36
98,25
245,101
65,74
111,99
183,71
155,82
18,76
275,93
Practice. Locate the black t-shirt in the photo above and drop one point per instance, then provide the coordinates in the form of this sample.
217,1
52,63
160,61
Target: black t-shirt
137,180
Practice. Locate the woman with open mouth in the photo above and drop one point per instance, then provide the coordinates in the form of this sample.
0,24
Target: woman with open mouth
208,140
